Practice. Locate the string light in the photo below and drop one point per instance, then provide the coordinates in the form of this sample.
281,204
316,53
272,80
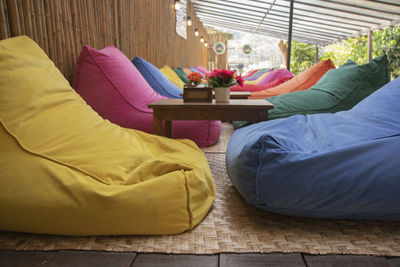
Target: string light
205,44
177,5
196,32
189,21
202,39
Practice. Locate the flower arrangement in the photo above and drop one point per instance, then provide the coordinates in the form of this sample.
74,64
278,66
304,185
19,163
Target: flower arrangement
194,78
224,78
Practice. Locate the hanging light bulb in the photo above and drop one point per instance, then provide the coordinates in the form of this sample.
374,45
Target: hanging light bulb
177,5
189,21
205,44
196,32
202,39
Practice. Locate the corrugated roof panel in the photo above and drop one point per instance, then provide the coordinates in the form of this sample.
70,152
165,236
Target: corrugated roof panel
314,21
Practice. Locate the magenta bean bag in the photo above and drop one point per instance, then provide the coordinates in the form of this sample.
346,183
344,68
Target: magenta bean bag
274,75
112,86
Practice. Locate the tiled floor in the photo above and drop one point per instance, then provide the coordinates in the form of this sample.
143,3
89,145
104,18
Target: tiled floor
100,259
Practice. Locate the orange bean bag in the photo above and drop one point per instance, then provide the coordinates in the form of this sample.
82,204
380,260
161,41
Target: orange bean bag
187,70
302,81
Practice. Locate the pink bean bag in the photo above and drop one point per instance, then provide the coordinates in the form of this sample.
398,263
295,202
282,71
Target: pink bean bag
202,70
112,86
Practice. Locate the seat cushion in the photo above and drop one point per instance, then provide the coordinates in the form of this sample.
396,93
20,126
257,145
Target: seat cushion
302,81
156,79
172,76
65,170
339,89
341,165
113,87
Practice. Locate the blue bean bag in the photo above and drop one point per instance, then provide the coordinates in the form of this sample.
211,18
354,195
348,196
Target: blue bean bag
157,79
342,165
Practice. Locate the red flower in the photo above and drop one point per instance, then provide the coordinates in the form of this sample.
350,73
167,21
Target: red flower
239,80
194,77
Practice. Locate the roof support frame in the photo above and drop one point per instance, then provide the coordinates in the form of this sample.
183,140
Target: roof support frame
290,35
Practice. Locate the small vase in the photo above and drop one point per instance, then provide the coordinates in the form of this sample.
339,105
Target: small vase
222,94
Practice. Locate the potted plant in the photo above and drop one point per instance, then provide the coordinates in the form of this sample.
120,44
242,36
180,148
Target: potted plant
221,80
192,92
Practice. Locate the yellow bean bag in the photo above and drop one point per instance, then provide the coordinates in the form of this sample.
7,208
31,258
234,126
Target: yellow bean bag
172,76
65,170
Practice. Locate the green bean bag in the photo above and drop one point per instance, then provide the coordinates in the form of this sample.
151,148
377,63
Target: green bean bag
339,89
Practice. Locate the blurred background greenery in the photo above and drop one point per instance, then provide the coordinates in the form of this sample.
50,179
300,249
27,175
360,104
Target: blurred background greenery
385,41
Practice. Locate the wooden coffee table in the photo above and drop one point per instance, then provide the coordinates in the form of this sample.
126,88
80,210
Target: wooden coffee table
237,109
240,95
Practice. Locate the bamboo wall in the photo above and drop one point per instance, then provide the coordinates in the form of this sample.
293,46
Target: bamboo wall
144,28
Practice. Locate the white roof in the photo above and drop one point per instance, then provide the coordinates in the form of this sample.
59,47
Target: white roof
318,22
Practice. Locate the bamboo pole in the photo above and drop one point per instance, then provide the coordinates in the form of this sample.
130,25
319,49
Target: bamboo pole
4,20
116,35
42,19
49,19
15,26
27,19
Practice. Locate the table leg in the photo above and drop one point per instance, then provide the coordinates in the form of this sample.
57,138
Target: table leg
263,115
157,123
168,128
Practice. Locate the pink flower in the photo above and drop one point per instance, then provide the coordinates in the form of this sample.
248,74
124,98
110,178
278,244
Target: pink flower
223,78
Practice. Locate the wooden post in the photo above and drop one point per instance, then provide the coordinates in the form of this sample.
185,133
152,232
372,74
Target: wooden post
290,35
316,54
369,45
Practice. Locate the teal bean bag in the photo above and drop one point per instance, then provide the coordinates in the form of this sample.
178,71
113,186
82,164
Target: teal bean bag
182,74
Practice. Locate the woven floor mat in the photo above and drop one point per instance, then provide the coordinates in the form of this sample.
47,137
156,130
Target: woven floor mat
221,145
234,226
